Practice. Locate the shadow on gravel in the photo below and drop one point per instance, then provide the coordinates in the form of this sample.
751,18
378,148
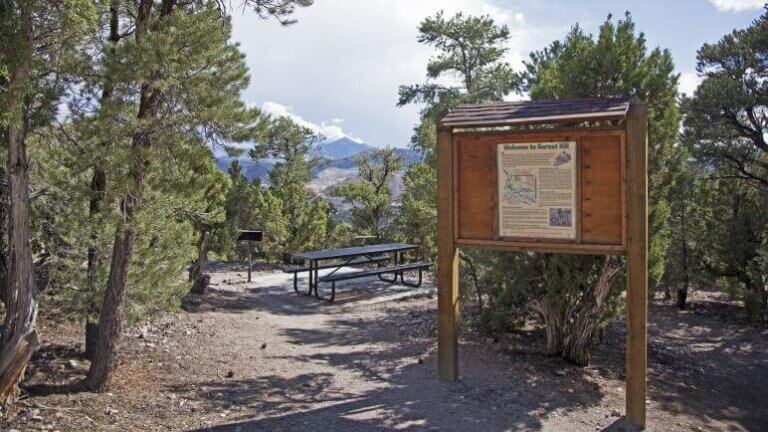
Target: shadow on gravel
58,363
400,389
703,361
273,292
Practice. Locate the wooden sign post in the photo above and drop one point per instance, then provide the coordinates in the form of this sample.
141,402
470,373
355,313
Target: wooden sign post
546,176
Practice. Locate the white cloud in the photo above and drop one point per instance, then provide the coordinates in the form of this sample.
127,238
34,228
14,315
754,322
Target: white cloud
688,83
330,131
737,5
346,59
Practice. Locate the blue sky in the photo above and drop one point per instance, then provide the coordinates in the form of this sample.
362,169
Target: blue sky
337,70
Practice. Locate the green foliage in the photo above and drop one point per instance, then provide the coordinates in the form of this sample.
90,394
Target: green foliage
617,63
417,221
293,218
501,296
725,122
201,74
469,48
174,208
682,263
732,238
58,30
725,130
370,194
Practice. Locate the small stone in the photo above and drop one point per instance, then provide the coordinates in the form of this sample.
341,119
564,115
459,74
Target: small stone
264,345
230,373
111,411
73,364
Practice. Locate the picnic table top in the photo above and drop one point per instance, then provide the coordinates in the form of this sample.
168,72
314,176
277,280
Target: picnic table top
353,251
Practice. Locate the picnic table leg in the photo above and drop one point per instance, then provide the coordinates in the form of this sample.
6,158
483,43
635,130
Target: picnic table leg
317,265
250,260
296,282
394,262
311,276
415,285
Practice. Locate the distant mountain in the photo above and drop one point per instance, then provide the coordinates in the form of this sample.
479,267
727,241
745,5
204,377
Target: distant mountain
409,156
340,166
251,169
341,148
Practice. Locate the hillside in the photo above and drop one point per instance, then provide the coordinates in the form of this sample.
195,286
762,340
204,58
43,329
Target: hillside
340,166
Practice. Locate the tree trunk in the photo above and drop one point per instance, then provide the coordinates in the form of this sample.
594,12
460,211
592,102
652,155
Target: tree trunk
580,336
4,210
111,317
91,333
758,297
98,186
682,292
200,280
553,325
19,327
98,189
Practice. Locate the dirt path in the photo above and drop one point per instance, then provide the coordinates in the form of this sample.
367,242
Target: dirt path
257,357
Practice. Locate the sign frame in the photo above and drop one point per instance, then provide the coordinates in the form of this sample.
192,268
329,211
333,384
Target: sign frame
458,227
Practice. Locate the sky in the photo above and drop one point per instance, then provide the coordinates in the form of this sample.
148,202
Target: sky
338,68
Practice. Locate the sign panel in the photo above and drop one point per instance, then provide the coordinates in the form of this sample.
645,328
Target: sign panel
537,190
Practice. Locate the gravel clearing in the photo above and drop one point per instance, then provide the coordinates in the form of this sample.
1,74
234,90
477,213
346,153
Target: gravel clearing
258,357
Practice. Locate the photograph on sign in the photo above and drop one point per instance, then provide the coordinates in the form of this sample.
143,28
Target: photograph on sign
537,190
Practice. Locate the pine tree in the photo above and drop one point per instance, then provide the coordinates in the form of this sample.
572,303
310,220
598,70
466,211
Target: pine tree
370,194
39,40
725,129
614,64
294,218
471,48
617,64
188,91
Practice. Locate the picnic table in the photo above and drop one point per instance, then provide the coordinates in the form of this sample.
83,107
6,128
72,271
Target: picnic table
389,255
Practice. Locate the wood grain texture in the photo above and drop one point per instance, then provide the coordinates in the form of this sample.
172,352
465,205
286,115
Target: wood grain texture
550,246
637,263
476,191
600,210
447,262
601,189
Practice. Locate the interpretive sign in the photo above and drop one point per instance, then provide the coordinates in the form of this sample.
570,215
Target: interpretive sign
545,176
537,190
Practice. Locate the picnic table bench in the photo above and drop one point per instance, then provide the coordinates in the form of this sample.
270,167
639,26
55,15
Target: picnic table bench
389,254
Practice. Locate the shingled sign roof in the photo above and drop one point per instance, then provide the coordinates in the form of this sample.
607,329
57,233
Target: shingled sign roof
538,111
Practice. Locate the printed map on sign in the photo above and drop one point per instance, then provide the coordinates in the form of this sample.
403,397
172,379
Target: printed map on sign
537,190
521,188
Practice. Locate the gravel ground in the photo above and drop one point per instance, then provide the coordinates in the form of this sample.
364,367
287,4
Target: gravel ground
258,357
